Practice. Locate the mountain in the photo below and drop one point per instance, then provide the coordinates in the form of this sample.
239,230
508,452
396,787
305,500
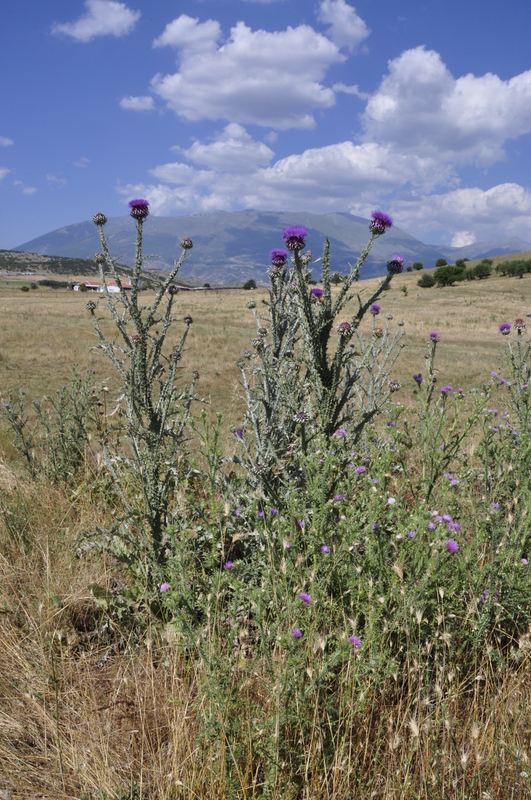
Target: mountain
494,247
232,247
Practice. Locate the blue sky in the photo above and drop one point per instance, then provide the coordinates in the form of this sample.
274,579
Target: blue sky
422,109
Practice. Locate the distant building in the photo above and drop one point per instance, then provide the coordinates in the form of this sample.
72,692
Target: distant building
97,286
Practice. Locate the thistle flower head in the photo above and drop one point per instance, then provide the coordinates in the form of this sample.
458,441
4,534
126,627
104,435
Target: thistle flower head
172,289
375,309
452,546
418,378
295,236
380,222
505,328
188,319
139,209
296,633
355,641
434,336
344,328
91,305
305,598
278,257
316,292
99,219
99,258
186,243
395,265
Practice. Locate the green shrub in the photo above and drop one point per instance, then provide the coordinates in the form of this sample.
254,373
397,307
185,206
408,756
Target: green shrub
426,281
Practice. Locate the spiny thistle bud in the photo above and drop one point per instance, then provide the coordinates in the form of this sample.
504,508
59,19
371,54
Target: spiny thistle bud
300,418
99,258
251,304
262,331
139,209
379,222
378,332
186,243
505,328
195,375
394,386
258,342
188,319
247,354
172,289
135,338
273,272
519,324
307,257
396,264
294,236
176,354
91,305
344,328
99,219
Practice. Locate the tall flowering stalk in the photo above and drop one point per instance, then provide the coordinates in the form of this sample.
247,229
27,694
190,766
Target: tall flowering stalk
155,411
304,383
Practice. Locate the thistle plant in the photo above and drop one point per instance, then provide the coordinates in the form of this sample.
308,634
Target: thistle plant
304,384
152,409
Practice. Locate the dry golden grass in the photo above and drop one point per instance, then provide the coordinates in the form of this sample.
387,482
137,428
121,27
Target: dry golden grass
79,714
43,333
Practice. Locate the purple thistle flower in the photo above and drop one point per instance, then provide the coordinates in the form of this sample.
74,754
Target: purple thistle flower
452,546
294,236
278,257
260,514
296,633
505,328
228,565
325,548
339,498
446,389
379,222
340,433
411,534
344,328
239,433
316,292
139,209
375,526
434,336
164,587
301,523
375,309
273,511
395,265
431,525
524,561
360,470
355,641
446,518
418,378
305,598
454,526
495,506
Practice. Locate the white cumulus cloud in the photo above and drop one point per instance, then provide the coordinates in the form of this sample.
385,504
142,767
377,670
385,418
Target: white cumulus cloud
420,106
103,18
132,103
346,28
267,78
233,150
5,142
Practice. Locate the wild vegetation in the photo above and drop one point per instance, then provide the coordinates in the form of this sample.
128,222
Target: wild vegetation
315,585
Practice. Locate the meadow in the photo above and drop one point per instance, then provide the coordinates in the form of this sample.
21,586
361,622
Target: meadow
360,631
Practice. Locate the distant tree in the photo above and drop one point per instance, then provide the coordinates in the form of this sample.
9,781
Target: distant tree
483,269
250,284
418,265
336,278
409,269
461,262
426,281
206,286
24,288
448,275
441,262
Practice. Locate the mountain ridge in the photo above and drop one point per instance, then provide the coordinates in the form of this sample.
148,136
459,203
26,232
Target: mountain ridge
233,246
